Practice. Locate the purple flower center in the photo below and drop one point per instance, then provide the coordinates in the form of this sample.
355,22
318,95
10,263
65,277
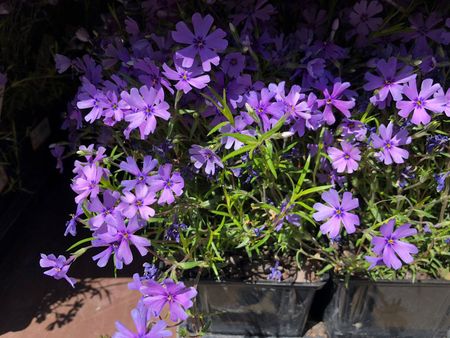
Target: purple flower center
199,42
347,156
185,76
418,103
338,212
139,202
387,82
114,106
389,241
169,184
328,101
140,178
233,62
149,111
93,184
388,145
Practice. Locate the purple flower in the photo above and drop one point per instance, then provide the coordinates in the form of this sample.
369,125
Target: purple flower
147,104
204,156
390,152
59,267
422,30
389,246
141,317
298,110
187,78
233,64
57,151
252,13
389,80
361,17
118,238
92,98
440,180
141,176
333,100
114,109
71,225
87,183
337,213
62,63
269,112
436,142
138,203
345,160
419,103
447,103
168,183
275,274
316,68
173,232
240,123
176,295
353,128
151,76
103,210
200,42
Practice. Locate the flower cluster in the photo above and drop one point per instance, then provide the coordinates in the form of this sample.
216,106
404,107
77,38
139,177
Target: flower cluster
214,139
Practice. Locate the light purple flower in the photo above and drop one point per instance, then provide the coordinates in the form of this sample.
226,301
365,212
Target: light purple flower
345,160
168,183
389,246
114,108
59,267
119,237
205,157
298,109
200,42
87,183
389,80
336,213
240,123
176,295
141,317
138,203
447,102
103,210
141,176
187,78
91,97
269,112
147,104
390,152
334,100
420,102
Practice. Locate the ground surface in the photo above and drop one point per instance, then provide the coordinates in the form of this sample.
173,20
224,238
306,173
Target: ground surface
36,306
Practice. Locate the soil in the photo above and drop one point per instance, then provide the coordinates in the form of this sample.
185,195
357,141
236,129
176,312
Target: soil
241,268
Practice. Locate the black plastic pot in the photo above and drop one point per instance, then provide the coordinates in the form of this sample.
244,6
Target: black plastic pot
390,309
265,309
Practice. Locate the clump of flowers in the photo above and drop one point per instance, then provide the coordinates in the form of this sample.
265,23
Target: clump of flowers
214,140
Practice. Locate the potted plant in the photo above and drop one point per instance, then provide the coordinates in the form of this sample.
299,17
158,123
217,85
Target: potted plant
229,157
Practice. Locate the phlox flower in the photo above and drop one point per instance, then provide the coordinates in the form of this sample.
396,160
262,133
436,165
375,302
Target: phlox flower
336,213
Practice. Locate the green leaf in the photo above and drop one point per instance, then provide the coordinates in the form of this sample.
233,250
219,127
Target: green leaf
217,127
247,139
77,244
312,190
241,150
192,264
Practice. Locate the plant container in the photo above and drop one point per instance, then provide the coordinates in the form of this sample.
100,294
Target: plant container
263,309
389,309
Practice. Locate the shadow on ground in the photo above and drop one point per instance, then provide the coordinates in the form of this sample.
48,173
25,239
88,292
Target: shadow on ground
27,296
